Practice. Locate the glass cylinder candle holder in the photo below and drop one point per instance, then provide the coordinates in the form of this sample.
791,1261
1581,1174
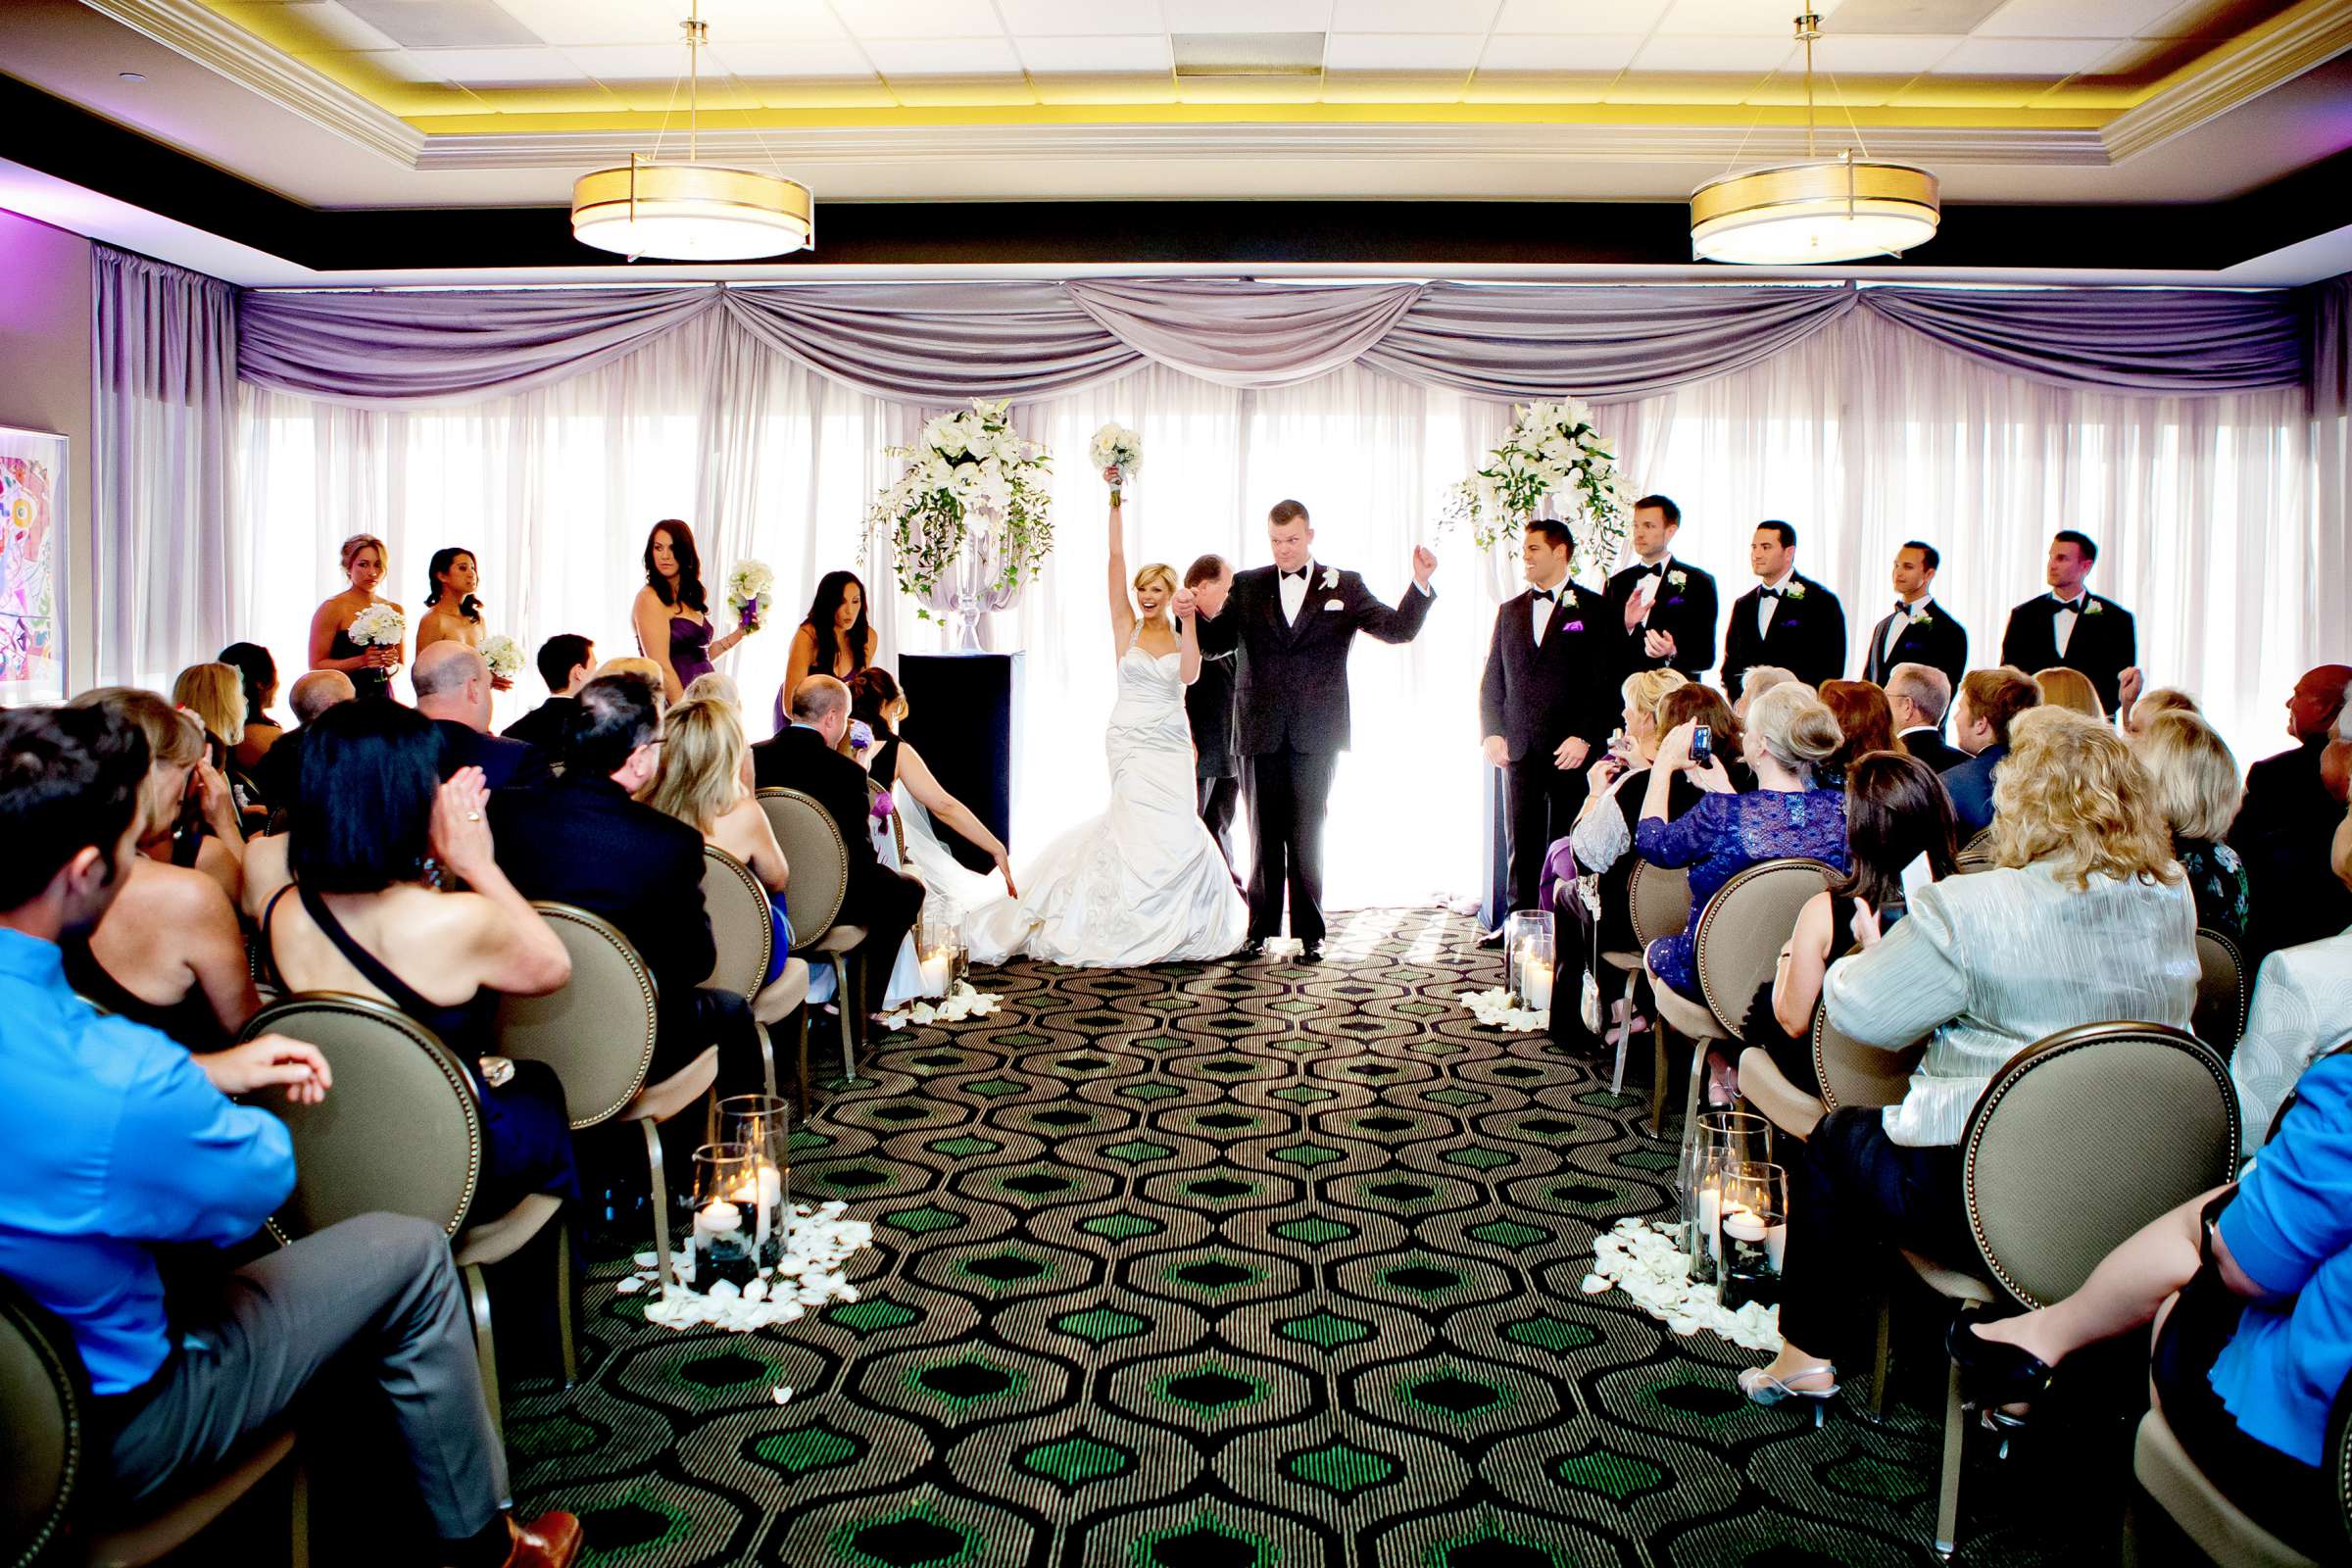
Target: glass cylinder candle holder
724,1245
939,954
1754,1230
762,1125
1725,1136
1528,957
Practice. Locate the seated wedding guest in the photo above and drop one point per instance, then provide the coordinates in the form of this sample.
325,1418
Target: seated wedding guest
717,686
1790,733
834,638
1864,717
1918,629
1601,844
700,784
875,699
2250,1354
345,906
215,693
453,690
1989,701
2072,626
802,757
640,667
200,830
582,838
2302,1009
257,672
281,773
566,661
2163,700
369,666
2084,918
1759,679
2068,689
2290,814
120,1141
1916,694
1896,813
2197,791
170,953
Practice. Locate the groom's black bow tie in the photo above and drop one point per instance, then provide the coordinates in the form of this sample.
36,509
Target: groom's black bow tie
1553,594
1300,573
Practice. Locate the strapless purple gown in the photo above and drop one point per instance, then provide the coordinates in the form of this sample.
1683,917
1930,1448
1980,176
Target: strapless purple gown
689,648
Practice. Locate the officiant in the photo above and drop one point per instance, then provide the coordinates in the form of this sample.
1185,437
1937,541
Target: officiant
1548,701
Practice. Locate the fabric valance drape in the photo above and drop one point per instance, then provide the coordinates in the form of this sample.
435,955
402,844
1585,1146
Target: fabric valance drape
935,343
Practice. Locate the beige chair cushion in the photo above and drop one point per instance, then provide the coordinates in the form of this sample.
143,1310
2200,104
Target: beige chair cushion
1627,962
2220,1528
495,1241
790,990
820,860
48,1438
1661,897
663,1100
1851,1073
2220,1019
598,1031
1742,929
1763,1084
1683,1017
840,939
740,925
1953,1284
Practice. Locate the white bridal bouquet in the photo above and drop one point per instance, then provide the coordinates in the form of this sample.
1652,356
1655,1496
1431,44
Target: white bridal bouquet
1552,449
1117,447
747,588
378,626
504,656
971,461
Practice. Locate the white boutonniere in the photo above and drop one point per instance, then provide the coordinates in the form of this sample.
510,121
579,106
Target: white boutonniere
1677,578
1331,576
2091,607
1795,590
1922,616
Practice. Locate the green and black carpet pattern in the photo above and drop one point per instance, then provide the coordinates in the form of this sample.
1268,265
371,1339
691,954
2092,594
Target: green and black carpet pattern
1231,1265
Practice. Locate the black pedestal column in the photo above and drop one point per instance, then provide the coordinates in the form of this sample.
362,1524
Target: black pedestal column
963,712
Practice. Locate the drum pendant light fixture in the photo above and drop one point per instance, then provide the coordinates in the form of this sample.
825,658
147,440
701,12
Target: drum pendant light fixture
691,211
1823,210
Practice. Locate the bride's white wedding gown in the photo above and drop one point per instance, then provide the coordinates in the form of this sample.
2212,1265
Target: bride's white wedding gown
1143,883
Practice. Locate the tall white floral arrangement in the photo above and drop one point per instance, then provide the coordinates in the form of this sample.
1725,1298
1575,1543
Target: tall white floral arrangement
971,461
1553,451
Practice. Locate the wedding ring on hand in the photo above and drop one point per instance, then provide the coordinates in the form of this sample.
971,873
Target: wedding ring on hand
474,817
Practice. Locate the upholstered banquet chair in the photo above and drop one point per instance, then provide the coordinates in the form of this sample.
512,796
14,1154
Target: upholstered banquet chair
736,903
2223,990
820,880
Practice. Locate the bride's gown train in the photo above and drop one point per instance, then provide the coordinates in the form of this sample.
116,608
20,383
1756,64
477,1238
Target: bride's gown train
1143,883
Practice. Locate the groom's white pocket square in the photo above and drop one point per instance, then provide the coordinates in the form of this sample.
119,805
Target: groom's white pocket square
1333,604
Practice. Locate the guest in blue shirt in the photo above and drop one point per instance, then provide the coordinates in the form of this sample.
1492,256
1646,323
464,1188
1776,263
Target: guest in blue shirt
118,1140
2259,1341
1790,732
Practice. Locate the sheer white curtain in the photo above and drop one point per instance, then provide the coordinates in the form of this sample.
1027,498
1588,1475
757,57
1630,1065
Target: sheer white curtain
2209,517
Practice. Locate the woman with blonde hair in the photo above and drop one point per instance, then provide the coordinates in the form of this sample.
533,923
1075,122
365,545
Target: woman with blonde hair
1144,882
168,953
700,784
2068,689
216,694
2198,789
369,666
2084,917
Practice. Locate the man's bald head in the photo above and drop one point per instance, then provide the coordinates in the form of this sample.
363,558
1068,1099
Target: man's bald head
2316,709
317,692
451,682
823,704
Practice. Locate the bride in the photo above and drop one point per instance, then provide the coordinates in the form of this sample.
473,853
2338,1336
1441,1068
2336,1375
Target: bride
1143,883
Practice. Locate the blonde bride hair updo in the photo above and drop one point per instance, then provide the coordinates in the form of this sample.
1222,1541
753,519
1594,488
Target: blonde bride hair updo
1160,573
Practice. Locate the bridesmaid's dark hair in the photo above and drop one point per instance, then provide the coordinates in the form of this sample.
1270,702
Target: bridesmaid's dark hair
831,589
690,567
442,560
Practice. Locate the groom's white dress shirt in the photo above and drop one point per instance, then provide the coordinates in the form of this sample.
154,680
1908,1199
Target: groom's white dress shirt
1294,590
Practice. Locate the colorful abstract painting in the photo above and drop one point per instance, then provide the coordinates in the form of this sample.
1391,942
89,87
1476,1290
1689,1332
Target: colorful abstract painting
29,633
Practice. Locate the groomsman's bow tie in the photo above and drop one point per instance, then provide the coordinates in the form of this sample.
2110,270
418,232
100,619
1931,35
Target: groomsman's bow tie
2074,605
1300,573
1772,593
1658,570
1903,608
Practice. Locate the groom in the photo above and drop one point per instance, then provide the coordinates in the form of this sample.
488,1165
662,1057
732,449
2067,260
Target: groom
1292,623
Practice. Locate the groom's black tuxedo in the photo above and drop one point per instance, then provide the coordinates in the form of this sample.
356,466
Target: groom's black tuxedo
1685,611
1290,720
1939,642
2103,643
1806,637
1538,696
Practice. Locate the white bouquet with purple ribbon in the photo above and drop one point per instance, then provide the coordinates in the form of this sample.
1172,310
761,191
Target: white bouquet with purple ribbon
504,656
748,590
1554,463
378,626
1116,447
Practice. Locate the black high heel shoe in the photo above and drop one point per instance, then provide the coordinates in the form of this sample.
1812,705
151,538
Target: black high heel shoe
1993,1373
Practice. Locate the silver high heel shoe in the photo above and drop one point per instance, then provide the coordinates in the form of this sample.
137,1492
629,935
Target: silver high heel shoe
1763,1388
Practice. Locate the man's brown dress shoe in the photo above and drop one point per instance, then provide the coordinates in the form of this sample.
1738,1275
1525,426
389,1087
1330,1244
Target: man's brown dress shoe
550,1540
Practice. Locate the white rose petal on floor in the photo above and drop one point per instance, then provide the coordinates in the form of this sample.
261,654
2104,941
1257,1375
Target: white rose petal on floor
1642,1260
1500,1010
817,1248
966,1002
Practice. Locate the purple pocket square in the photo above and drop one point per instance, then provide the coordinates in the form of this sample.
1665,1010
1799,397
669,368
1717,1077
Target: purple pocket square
1676,600
1574,625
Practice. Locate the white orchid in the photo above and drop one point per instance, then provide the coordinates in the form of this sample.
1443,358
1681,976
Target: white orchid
968,461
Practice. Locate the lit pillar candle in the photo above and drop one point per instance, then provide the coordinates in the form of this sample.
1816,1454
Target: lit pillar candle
1535,984
936,969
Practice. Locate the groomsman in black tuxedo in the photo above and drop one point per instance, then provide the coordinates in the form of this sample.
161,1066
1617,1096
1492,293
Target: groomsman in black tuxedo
2071,627
1787,619
1917,630
1664,607
1548,701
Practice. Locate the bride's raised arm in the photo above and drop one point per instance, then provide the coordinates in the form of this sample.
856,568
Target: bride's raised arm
1122,609
1187,640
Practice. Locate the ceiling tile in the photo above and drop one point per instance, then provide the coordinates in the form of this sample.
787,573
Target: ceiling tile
442,23
961,91
1580,15
1536,87
1109,57
1401,51
944,57
2210,18
1247,16
1952,18
1048,18
1412,16
1249,89
638,62
1092,89
1684,87
504,67
1590,55
2073,19
2021,56
2144,60
1788,90
836,92
1756,55
1738,19
600,22
1880,56
333,27
1394,87
765,20
926,20
397,65
814,57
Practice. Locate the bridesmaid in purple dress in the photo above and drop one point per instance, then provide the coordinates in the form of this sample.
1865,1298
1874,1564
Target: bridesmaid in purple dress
672,614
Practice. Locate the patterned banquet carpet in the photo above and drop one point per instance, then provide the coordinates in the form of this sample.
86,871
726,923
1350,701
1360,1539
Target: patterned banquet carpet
1228,1267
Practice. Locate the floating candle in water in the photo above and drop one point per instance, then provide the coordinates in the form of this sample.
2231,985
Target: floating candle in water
718,1218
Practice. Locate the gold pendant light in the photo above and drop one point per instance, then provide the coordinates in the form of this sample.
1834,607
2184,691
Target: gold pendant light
691,211
1823,210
